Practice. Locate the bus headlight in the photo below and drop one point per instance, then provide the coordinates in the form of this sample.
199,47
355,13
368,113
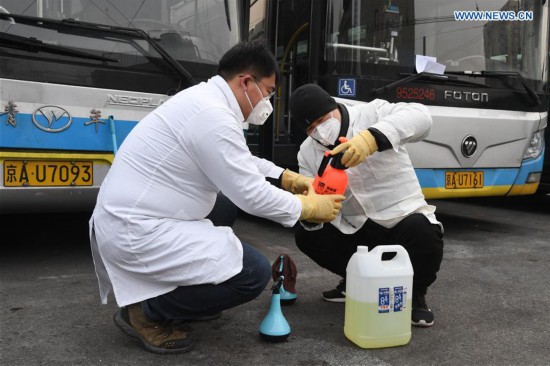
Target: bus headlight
535,146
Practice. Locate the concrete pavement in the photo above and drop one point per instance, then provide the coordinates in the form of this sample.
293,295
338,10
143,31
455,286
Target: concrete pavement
490,301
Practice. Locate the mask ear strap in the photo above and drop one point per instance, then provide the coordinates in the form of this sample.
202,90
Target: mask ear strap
243,84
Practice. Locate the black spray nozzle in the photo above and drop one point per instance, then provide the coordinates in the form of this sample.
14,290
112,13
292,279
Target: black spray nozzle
277,285
324,163
335,162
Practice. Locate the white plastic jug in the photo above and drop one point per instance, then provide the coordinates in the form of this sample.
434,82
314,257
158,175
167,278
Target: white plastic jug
379,297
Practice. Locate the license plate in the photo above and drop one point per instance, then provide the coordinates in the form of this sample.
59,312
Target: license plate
47,173
459,180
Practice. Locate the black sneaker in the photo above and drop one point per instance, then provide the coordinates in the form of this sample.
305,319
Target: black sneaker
336,295
421,315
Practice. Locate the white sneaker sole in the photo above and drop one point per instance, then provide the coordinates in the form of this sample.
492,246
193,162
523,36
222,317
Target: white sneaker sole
422,323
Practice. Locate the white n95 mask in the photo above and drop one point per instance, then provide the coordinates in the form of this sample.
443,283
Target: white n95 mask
327,132
261,111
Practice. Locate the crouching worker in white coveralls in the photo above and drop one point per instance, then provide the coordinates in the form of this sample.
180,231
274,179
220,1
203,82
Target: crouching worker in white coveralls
384,204
152,244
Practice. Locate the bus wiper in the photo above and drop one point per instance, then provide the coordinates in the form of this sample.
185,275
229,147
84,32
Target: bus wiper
71,26
36,45
226,6
426,75
499,74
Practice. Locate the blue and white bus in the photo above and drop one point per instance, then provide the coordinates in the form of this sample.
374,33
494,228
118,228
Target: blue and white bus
76,76
489,106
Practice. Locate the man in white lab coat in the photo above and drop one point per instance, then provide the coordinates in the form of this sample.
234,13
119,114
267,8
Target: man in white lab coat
151,243
384,203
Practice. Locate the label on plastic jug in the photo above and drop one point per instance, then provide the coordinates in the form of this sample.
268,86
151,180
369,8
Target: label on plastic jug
392,299
384,300
398,302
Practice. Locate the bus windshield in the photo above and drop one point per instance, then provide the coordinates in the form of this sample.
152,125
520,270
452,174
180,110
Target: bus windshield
384,36
91,43
188,29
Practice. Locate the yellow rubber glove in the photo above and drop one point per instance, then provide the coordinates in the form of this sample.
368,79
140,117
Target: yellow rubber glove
294,182
320,208
357,149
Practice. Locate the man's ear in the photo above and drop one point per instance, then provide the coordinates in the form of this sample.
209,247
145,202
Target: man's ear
244,82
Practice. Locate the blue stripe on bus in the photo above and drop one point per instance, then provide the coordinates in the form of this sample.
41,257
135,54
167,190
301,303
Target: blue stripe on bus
25,135
435,178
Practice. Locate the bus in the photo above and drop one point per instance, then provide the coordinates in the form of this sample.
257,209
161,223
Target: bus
76,76
484,81
544,187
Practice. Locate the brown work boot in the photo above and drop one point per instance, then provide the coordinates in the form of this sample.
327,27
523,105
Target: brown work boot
156,337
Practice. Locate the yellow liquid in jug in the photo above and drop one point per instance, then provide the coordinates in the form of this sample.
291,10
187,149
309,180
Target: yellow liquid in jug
369,329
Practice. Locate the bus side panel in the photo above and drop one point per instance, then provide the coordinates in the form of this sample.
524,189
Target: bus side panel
47,126
50,116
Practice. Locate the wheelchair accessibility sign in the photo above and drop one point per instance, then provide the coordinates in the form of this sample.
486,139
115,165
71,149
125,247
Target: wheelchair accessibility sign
346,87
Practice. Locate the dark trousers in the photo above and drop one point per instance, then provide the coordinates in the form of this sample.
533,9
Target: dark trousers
331,249
191,302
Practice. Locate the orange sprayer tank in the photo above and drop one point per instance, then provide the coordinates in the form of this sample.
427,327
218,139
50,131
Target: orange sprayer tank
331,178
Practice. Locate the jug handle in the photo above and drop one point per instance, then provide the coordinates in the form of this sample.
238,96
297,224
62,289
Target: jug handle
401,253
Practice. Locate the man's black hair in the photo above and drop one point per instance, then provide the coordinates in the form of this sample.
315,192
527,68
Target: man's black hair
248,57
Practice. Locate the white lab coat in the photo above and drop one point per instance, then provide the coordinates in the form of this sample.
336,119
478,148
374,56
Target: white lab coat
147,231
384,187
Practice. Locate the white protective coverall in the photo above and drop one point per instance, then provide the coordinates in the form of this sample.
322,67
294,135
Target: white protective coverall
148,233
384,188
